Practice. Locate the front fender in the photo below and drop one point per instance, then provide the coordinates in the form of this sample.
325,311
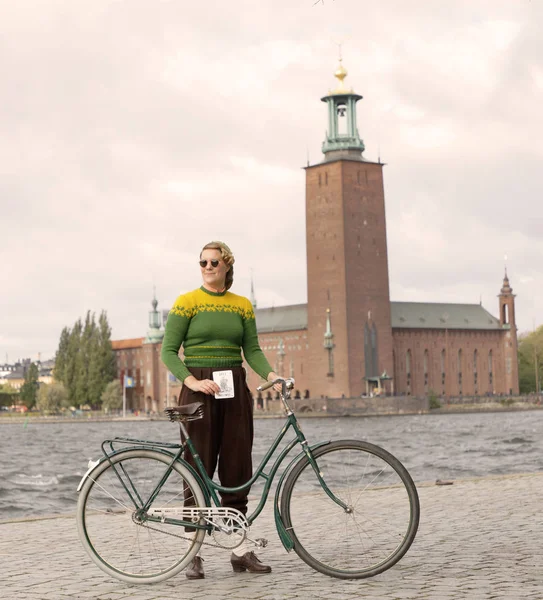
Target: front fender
284,535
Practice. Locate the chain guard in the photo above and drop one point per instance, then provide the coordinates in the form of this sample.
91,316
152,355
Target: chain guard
229,524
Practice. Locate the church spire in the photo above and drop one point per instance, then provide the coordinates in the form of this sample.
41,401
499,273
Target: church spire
506,286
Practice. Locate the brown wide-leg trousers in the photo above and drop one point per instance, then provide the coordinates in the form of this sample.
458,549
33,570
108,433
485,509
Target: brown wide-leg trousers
224,435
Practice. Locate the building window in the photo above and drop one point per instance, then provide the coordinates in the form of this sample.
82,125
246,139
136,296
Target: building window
490,370
426,360
370,350
475,357
443,366
460,371
408,370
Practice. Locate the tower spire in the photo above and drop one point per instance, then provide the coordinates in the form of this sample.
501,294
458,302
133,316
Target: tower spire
253,297
342,137
154,333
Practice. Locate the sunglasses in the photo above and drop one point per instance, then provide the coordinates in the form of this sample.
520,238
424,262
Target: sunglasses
214,263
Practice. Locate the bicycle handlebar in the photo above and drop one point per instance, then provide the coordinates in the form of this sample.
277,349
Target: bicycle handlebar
288,382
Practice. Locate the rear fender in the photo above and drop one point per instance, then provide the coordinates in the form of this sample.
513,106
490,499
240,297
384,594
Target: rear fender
93,464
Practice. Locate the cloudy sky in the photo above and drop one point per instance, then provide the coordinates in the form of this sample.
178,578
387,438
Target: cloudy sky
132,132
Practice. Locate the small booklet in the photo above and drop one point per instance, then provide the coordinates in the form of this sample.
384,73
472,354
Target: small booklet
225,380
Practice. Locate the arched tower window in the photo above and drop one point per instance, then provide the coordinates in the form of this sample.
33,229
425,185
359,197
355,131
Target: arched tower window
374,353
367,351
371,362
505,314
342,127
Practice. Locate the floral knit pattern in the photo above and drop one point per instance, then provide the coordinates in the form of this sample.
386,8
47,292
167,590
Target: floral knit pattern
189,311
213,329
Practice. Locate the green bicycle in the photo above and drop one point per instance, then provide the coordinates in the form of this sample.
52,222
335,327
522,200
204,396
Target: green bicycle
348,508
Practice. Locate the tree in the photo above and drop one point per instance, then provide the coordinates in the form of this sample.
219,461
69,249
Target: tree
112,396
61,356
530,358
29,389
8,394
85,361
72,362
108,364
51,398
102,363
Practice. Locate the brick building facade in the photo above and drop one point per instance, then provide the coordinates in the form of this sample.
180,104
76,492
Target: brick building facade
350,339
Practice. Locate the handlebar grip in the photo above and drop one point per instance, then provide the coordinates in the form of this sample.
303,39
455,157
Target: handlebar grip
265,386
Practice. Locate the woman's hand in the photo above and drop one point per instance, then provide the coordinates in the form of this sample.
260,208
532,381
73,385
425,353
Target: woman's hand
205,386
278,387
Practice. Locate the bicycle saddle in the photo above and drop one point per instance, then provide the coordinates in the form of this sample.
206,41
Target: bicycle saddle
188,412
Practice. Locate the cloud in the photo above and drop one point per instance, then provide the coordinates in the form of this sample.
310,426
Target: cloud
134,132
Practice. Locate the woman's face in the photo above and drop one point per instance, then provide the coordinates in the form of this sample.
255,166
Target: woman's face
213,276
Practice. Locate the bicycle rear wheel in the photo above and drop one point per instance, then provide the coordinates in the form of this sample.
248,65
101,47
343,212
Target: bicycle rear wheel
379,524
118,541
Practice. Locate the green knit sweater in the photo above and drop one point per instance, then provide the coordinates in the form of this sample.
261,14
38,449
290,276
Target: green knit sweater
213,328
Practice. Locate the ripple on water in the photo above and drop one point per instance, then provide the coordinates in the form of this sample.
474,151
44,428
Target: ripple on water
40,480
430,446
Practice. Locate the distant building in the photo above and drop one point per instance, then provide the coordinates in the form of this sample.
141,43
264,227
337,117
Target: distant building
349,339
139,359
14,374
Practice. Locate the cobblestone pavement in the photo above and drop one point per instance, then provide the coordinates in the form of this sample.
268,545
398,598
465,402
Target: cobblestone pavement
478,539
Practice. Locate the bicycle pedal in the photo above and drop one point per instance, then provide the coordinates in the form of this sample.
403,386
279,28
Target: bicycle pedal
261,542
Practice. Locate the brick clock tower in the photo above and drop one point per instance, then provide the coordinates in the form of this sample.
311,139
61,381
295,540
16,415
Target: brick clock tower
349,324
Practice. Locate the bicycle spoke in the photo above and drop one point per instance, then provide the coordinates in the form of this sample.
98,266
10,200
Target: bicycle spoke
375,529
129,546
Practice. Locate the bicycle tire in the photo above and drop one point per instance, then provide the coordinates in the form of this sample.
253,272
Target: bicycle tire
123,548
384,503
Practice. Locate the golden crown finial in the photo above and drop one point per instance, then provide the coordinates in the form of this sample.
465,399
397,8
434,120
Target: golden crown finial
340,74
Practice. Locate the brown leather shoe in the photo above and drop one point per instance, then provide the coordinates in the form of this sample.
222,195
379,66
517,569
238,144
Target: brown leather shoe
195,569
248,562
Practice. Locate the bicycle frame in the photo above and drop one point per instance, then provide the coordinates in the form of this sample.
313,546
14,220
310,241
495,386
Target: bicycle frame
214,487
211,488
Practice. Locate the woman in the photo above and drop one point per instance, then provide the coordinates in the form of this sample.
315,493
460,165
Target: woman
214,325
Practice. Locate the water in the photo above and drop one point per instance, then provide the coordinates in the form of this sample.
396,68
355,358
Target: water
44,462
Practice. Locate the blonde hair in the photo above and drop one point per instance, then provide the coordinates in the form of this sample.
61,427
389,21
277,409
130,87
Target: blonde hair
227,257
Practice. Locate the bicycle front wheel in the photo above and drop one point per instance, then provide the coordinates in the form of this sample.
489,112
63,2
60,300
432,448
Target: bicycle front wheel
380,521
118,538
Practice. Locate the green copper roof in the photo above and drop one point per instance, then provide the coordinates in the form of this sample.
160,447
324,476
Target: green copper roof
281,318
434,315
404,315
